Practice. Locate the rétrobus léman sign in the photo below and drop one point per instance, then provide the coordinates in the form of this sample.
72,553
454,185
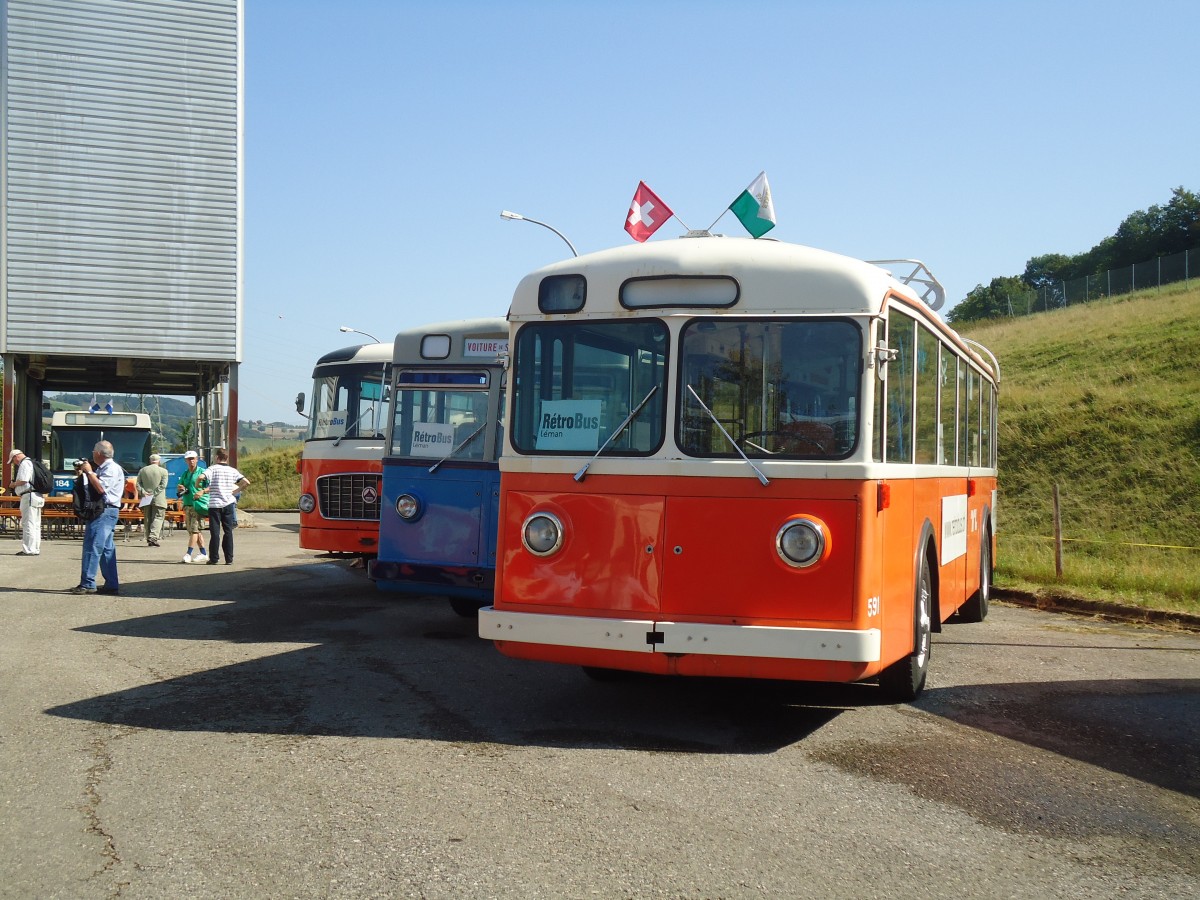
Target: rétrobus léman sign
569,425
432,439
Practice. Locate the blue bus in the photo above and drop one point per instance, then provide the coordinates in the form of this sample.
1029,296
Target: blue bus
441,476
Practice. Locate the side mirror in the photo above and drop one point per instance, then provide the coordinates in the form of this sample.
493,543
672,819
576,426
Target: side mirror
300,403
883,356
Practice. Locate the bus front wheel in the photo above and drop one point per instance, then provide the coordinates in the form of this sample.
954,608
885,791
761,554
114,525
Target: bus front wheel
904,679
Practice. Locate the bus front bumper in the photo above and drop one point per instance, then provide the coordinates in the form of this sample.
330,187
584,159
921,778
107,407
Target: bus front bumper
649,636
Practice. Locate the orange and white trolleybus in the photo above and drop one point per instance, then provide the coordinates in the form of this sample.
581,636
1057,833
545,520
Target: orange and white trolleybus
741,458
341,464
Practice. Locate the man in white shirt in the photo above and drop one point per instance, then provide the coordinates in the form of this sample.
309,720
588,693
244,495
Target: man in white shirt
31,504
224,484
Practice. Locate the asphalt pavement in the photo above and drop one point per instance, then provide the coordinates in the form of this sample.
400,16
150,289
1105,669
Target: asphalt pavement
279,728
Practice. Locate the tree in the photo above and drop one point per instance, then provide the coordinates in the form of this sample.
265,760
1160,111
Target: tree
1180,223
187,430
990,302
1047,269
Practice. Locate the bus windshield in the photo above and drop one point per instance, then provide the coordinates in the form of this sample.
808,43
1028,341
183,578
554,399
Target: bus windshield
779,387
578,381
432,422
131,447
347,401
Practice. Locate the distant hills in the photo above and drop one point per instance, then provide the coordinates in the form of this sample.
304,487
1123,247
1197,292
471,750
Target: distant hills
170,415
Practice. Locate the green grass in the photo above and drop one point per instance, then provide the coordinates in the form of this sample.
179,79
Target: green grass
274,481
1104,400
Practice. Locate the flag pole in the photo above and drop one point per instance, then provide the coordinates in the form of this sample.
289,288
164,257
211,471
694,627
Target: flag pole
681,222
718,219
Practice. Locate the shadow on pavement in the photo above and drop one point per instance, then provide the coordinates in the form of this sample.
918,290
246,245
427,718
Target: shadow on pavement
383,666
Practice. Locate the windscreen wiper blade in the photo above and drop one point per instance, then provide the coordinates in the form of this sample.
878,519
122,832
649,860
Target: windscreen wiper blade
757,471
474,434
582,473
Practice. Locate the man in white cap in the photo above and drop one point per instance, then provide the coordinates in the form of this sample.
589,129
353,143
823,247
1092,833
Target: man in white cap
152,491
31,504
190,486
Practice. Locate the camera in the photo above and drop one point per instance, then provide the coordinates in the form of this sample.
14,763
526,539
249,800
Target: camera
79,462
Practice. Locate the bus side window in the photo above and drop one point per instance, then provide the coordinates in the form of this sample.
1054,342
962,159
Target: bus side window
928,362
947,387
901,331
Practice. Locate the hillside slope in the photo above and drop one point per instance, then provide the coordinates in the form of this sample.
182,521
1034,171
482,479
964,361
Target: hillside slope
1104,399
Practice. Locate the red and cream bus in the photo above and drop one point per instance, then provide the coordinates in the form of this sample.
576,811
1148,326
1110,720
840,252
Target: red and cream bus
741,458
341,464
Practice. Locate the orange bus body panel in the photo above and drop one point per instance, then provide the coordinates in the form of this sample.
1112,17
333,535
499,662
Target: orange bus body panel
337,535
619,560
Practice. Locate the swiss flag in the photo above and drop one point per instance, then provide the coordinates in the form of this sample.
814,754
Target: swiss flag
646,213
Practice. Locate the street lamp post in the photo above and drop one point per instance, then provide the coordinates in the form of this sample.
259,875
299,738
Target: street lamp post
517,217
347,329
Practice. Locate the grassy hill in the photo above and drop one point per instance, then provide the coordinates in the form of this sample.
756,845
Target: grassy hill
1104,400
274,481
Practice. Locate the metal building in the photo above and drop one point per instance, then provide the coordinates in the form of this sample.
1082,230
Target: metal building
121,214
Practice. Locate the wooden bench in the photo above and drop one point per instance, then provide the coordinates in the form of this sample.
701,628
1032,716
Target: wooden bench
59,519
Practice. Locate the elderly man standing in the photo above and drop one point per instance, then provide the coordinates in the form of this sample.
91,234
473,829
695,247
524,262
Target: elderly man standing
224,484
106,480
152,489
31,504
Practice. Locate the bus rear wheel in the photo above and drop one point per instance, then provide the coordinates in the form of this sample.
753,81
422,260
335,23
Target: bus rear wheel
976,607
904,679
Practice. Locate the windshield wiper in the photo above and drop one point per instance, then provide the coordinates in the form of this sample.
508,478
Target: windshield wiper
582,473
353,430
757,471
474,434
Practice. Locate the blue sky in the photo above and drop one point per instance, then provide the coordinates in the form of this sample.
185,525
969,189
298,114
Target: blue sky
383,138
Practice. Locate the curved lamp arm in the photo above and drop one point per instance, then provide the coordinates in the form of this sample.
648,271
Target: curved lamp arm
517,217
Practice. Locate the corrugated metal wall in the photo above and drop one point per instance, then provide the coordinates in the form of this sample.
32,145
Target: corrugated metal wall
121,168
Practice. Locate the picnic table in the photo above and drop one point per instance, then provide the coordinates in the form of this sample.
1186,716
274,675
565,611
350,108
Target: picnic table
59,519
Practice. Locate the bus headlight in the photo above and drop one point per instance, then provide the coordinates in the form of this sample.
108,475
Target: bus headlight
407,507
800,542
307,503
542,534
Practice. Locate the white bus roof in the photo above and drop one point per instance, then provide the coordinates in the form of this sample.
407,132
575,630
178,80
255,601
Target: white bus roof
408,349
355,355
795,278
65,418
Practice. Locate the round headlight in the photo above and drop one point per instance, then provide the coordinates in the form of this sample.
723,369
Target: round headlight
307,503
407,506
800,542
542,534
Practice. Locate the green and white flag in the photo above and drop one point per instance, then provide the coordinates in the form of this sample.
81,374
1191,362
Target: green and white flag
754,208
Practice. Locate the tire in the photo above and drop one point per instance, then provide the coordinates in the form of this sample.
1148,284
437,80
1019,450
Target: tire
976,607
904,679
468,609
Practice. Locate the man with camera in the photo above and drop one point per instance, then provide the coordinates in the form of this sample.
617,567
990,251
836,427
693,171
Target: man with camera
105,481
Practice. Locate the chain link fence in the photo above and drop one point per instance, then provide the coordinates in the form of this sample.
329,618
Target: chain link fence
1153,273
